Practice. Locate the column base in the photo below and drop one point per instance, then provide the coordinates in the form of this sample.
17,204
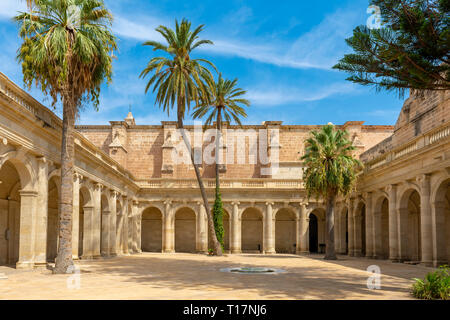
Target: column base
168,251
438,263
75,257
24,265
87,257
271,251
302,252
427,263
236,251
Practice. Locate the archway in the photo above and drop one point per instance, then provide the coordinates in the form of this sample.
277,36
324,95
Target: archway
9,214
285,231
313,234
226,230
343,235
442,217
185,230
252,231
410,226
151,232
52,220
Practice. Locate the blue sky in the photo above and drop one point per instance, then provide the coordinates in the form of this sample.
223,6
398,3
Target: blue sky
281,52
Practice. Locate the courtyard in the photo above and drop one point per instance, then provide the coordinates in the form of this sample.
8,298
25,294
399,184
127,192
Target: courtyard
198,277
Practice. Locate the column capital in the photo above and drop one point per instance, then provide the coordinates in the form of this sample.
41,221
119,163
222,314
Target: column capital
391,187
115,194
98,186
235,203
168,202
135,202
41,159
423,179
270,203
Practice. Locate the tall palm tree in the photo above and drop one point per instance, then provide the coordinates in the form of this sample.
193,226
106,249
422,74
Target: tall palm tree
67,51
225,100
182,80
330,171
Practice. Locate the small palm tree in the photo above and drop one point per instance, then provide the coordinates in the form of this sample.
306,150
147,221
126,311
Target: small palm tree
181,80
67,51
225,100
330,170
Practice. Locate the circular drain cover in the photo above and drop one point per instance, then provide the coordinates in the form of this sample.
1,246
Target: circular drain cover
258,270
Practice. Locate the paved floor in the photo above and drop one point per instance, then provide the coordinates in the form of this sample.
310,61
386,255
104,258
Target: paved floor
195,276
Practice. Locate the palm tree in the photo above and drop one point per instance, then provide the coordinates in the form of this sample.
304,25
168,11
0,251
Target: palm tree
330,171
182,80
67,51
225,100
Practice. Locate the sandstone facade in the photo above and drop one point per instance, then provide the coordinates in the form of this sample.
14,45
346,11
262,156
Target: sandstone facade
132,194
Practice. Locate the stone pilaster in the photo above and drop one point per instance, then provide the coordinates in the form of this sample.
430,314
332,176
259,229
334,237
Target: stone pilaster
40,247
113,223
303,235
351,228
28,200
96,220
369,225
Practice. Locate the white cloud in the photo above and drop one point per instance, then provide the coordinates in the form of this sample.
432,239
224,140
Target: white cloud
320,48
278,96
9,8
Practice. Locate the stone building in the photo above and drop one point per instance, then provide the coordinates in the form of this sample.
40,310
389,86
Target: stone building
134,190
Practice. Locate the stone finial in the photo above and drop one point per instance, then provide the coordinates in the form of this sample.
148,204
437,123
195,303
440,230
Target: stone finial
130,119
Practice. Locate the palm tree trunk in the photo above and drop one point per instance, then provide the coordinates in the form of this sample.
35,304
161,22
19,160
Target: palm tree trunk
64,262
330,253
218,136
217,249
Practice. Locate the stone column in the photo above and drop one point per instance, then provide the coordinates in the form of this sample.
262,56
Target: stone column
134,231
125,228
40,248
235,245
169,228
88,245
27,229
337,228
351,228
119,227
201,238
105,244
302,233
402,227
113,223
76,215
269,241
96,220
138,232
426,220
369,226
377,233
393,230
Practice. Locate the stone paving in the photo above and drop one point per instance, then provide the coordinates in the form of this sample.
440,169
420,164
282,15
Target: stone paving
195,276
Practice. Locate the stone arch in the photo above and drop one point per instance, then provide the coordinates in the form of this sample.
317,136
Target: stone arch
185,229
441,208
252,230
285,230
23,166
152,228
85,213
316,229
410,225
381,227
52,217
10,214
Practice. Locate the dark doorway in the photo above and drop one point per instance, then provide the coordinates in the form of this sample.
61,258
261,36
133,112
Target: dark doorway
313,234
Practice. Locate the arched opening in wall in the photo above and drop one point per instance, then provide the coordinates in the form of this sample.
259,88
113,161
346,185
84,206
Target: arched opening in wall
313,229
151,232
285,231
84,204
410,226
185,230
442,214
119,227
52,220
226,230
252,231
385,229
363,230
9,214
104,224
